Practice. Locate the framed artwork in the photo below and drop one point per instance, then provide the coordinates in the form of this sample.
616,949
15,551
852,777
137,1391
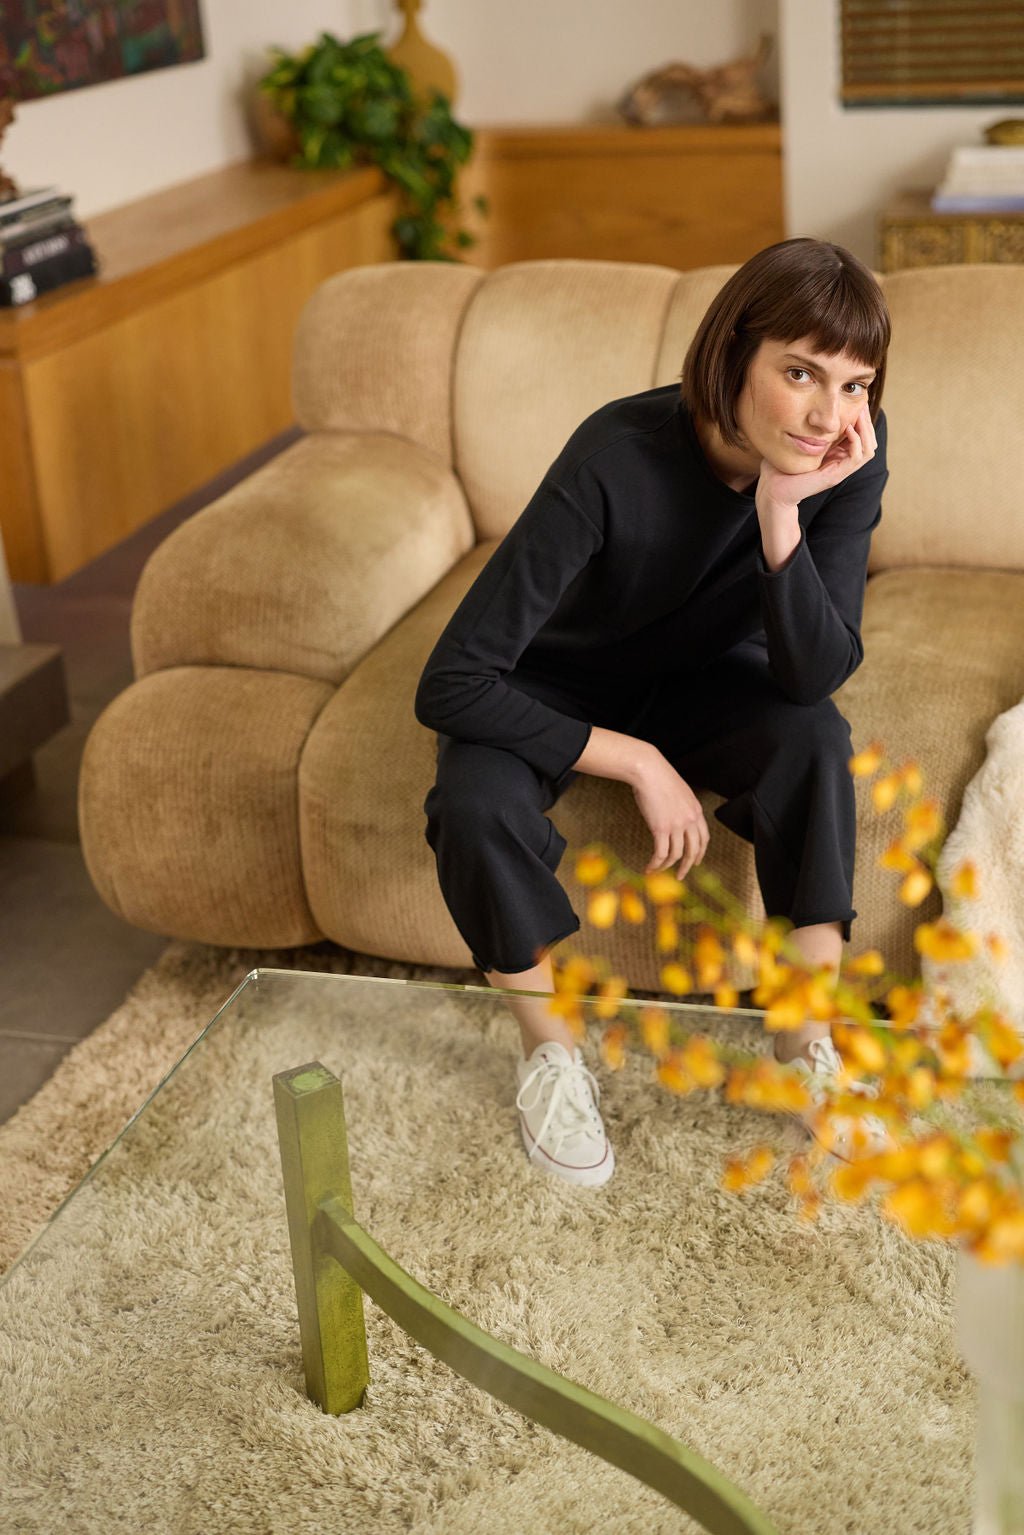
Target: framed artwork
63,45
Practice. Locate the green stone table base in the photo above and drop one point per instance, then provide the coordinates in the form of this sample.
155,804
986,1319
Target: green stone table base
335,1260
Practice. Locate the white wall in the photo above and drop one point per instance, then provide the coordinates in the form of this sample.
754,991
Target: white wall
841,166
521,61
571,60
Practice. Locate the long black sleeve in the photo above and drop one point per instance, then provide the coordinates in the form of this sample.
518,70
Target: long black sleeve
463,691
812,606
633,559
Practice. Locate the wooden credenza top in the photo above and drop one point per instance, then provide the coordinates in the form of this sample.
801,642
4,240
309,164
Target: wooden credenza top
160,244
622,138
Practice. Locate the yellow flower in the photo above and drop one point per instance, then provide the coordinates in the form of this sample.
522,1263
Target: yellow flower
668,931
903,1004
709,956
568,1007
592,868
1004,1240
866,1049
964,883
923,822
941,941
1001,1039
654,1029
743,1172
633,909
996,946
602,908
744,948
575,975
916,886
663,887
910,775
672,1073
726,996
897,857
997,1143
867,761
612,992
701,1061
786,1012
884,792
676,979
611,1046
870,962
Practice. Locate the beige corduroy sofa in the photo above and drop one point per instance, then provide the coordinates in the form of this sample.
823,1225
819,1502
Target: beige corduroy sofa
261,782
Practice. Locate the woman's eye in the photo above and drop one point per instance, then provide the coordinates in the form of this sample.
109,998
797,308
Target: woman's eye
854,382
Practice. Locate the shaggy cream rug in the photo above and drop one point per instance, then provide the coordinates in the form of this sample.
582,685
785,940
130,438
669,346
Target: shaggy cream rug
151,1373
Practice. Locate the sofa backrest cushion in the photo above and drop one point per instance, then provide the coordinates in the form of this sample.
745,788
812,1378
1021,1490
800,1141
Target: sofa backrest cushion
543,344
954,403
374,349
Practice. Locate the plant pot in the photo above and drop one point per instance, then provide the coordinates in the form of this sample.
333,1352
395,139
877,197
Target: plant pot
990,1337
275,135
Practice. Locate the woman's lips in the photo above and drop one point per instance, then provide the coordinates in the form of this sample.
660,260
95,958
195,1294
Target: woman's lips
806,445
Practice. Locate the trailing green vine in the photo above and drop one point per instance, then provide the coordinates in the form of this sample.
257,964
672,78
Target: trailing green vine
350,105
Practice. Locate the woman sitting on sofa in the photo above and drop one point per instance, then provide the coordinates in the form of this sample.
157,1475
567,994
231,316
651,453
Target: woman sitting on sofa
673,608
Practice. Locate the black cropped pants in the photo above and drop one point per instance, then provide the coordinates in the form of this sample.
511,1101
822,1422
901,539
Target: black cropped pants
781,766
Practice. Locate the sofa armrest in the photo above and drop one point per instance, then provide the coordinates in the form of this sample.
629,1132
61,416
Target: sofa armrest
306,563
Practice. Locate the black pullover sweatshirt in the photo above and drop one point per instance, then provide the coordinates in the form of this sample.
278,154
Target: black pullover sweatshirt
633,561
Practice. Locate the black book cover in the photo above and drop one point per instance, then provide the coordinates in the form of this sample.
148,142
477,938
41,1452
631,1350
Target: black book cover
52,273
29,253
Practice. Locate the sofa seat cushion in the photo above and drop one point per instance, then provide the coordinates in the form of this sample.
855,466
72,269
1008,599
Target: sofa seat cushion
943,656
188,806
364,774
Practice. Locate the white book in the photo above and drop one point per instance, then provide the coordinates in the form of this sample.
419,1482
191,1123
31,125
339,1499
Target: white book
18,205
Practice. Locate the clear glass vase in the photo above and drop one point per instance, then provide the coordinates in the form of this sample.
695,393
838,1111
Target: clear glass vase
990,1337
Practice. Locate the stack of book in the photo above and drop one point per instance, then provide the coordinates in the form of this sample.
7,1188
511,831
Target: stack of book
983,179
41,246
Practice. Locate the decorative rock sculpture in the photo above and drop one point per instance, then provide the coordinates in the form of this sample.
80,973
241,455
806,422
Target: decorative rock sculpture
682,93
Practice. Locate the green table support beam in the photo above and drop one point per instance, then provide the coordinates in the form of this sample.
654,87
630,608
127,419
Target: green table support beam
314,1161
324,1231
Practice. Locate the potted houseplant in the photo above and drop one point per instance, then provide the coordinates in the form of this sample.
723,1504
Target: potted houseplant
946,1177
336,105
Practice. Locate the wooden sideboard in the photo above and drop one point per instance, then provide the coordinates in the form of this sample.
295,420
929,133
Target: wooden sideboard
694,195
912,235
123,392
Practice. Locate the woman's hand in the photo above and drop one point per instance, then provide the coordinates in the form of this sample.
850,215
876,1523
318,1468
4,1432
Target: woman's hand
842,458
673,813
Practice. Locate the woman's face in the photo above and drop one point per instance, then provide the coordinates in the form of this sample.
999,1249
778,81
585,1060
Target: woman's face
792,392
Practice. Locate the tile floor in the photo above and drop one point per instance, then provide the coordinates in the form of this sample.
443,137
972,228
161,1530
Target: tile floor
66,962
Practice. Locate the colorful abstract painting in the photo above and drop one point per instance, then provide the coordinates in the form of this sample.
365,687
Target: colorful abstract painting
62,45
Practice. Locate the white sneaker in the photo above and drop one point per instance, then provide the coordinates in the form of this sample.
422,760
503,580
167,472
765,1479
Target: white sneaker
558,1118
817,1075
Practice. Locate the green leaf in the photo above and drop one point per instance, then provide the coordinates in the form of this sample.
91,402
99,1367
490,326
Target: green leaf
320,104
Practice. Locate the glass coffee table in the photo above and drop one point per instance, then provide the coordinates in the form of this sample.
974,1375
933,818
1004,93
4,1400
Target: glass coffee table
167,1284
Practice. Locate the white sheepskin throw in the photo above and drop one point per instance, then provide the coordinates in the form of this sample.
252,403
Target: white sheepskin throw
990,833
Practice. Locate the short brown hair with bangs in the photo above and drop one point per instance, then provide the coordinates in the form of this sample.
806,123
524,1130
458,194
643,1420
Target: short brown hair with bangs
796,288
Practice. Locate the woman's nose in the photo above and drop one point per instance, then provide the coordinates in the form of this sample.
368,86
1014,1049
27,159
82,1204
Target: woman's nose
825,417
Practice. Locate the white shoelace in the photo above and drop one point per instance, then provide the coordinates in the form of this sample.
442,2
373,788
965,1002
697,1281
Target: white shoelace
569,1112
